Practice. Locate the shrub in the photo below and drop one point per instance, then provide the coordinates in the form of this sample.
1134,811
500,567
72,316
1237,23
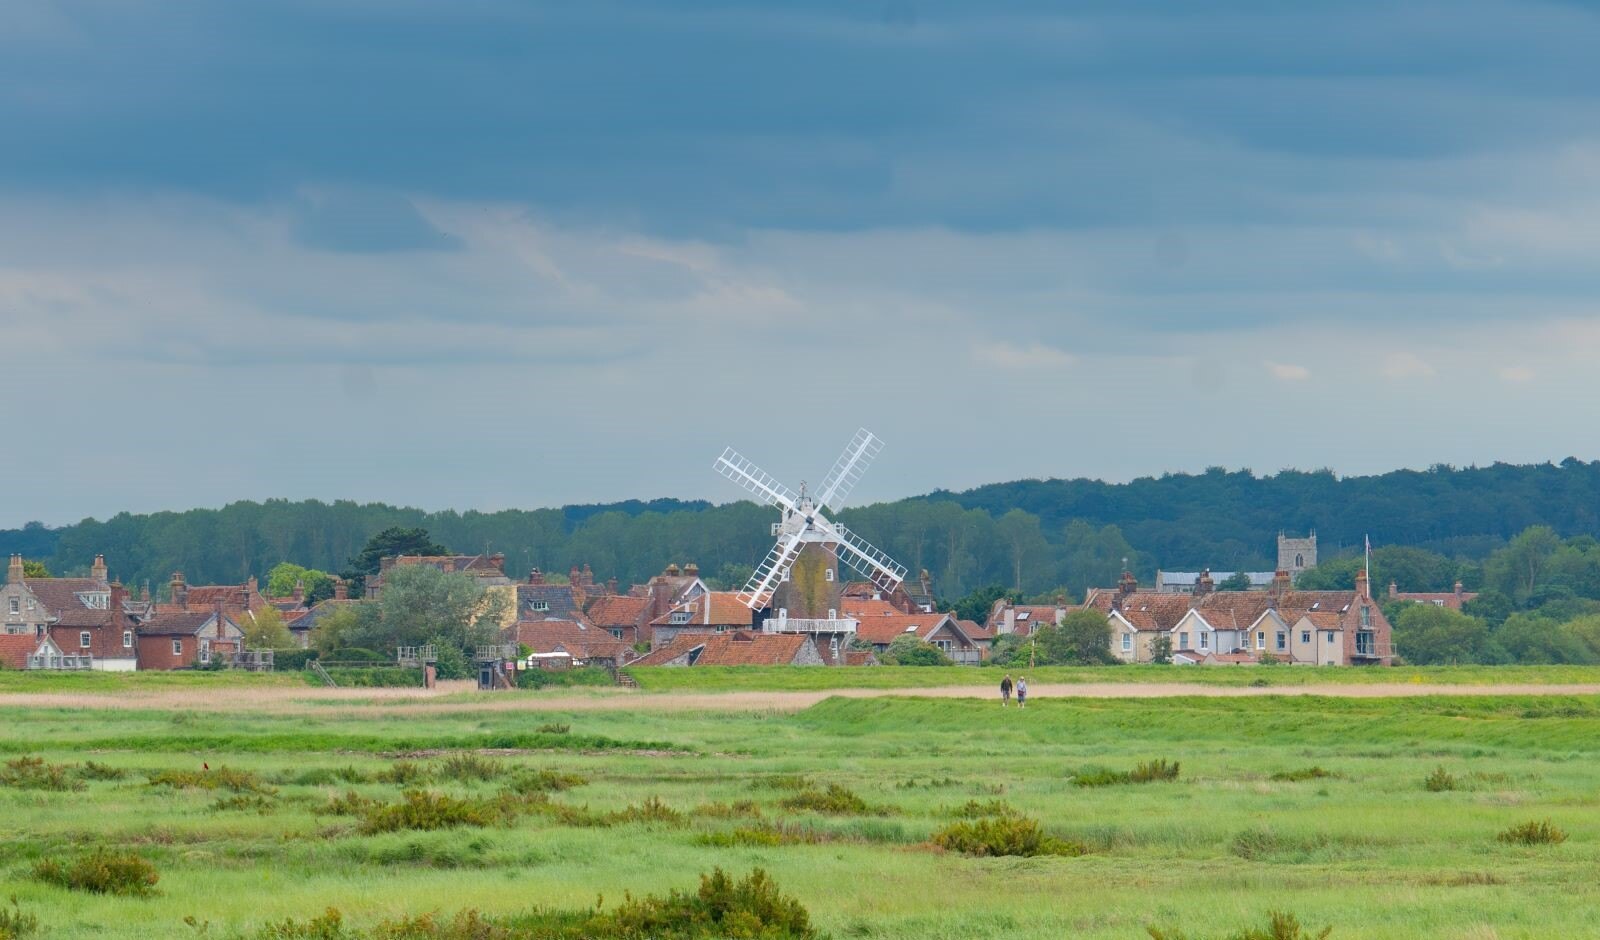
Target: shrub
350,803
14,925
972,809
321,776
372,677
561,678
244,801
403,772
554,727
1280,926
1155,770
1439,781
834,801
651,810
292,660
94,770
467,768
1533,833
782,782
735,810
543,781
101,872
1304,773
420,809
1005,835
354,654
222,778
329,925
749,907
34,773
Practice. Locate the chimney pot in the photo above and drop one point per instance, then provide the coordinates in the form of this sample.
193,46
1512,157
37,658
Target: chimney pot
341,589
98,572
14,573
1459,589
1394,589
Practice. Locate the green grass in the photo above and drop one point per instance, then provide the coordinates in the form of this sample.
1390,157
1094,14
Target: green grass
810,678
112,683
645,801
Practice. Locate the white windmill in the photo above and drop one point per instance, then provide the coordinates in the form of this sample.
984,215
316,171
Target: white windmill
804,523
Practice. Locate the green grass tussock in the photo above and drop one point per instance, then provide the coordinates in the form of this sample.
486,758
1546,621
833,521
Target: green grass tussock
425,810
1533,833
16,925
1302,774
1279,926
101,872
832,800
221,778
35,773
1159,770
1440,781
1006,835
973,809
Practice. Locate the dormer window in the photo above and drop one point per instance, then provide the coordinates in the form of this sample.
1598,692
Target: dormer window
95,600
540,605
679,616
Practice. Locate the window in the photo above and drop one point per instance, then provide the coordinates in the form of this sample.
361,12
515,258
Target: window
1205,641
1305,636
828,575
679,616
1261,639
943,645
1436,602
16,605
1299,561
1366,616
84,639
1364,644
127,639
1330,636
1283,639
616,632
540,605
1183,641
1022,615
1127,642
177,647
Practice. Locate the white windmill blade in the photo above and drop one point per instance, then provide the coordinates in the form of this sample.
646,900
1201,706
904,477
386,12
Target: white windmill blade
758,590
847,470
859,554
741,471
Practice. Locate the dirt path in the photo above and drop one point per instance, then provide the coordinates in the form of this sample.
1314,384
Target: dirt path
454,697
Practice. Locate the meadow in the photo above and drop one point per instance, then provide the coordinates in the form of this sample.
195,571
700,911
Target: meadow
1318,806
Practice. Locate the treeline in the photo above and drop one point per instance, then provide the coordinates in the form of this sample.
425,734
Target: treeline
1035,537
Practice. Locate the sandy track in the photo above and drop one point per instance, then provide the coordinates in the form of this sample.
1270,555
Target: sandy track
456,697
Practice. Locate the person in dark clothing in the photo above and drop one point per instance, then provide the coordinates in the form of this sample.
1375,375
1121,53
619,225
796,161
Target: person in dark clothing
1005,691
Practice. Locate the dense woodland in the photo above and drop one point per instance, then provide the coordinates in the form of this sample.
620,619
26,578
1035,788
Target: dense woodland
1035,536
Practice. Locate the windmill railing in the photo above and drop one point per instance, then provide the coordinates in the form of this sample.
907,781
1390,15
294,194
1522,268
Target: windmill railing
415,656
809,625
496,651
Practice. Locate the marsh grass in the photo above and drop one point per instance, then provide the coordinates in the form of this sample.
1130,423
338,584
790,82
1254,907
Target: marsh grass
1302,774
15,925
102,871
1538,832
1155,771
832,800
469,768
1440,781
738,809
35,773
973,809
1279,926
1007,835
220,778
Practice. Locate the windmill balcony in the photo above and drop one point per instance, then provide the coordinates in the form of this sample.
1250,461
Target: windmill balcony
804,625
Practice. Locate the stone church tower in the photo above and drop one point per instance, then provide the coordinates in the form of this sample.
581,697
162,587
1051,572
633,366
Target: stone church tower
1296,555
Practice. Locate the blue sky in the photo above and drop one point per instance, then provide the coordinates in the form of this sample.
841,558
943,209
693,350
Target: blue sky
489,254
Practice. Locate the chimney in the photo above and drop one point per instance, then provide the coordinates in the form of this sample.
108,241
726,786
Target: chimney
144,592
1128,584
253,585
180,590
498,559
299,590
1280,584
574,576
611,585
672,570
536,576
588,576
1394,590
341,589
1459,589
14,572
1061,607
1361,583
98,572
692,570
1203,585
119,596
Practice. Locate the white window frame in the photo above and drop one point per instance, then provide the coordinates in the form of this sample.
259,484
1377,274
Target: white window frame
1330,635
85,639
1205,640
16,605
177,647
678,617
828,574
1183,641
1305,636
127,639
1261,639
539,605
1127,642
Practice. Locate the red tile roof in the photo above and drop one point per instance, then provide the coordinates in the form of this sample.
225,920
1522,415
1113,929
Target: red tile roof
862,607
726,610
743,648
1146,610
614,610
577,638
882,630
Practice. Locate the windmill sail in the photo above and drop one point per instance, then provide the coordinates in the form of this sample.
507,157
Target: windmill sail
847,470
859,554
741,471
758,590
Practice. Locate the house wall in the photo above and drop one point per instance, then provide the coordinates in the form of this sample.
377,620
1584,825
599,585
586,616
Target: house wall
155,652
30,615
809,655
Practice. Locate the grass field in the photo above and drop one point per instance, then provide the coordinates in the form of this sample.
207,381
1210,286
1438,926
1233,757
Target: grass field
1366,848
797,678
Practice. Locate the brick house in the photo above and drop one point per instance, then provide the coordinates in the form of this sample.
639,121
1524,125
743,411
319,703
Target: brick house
941,630
91,616
622,616
175,637
575,637
709,612
1449,599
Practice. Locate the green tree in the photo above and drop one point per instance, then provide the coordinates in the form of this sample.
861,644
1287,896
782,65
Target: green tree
1082,638
395,540
34,569
1429,635
1520,567
421,603
1161,649
1490,606
1534,640
1238,581
264,630
1026,548
977,605
318,585
907,650
339,629
1095,557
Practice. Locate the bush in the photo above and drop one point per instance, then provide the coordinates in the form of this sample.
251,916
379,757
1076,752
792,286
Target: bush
423,810
1533,833
222,778
101,872
356,655
292,660
548,678
467,768
1305,773
834,801
1005,835
972,809
1280,926
452,660
543,781
651,810
349,803
1439,781
33,773
403,772
14,925
94,770
372,677
1159,770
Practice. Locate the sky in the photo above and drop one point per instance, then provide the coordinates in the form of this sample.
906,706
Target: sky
496,253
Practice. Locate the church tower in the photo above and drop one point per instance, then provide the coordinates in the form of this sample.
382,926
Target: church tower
1296,555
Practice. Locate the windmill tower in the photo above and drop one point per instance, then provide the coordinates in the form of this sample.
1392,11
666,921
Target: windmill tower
801,569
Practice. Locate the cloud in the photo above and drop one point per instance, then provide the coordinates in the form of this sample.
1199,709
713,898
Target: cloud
366,221
1286,372
1406,365
1517,374
1031,356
